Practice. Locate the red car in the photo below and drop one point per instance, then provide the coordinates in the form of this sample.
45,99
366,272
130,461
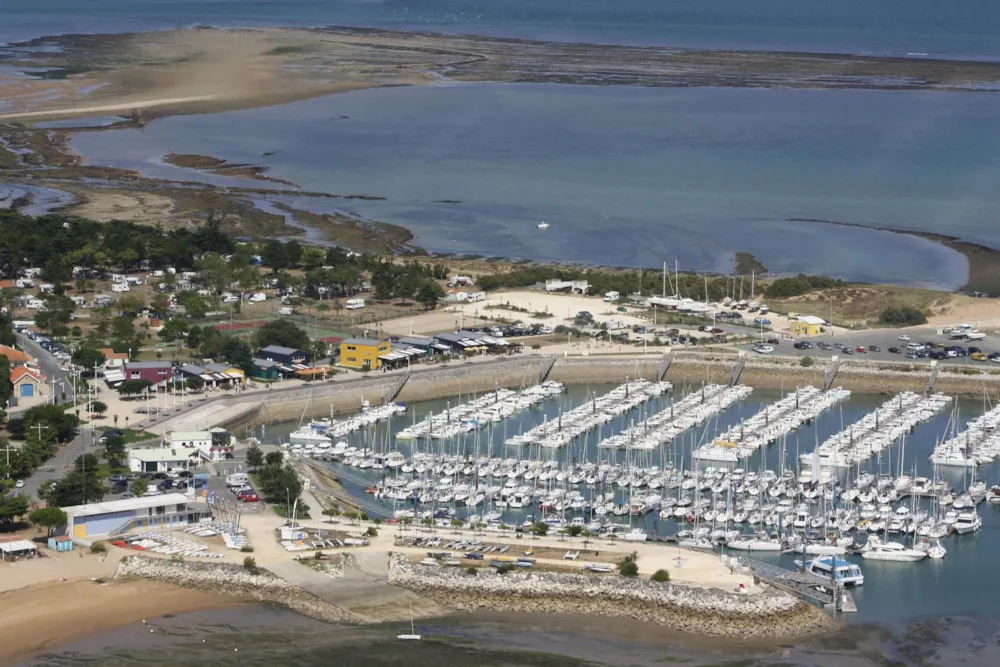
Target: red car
860,349
248,496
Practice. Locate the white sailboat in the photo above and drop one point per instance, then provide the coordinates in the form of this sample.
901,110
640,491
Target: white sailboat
413,633
543,225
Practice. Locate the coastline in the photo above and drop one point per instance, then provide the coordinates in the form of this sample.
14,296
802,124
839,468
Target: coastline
40,617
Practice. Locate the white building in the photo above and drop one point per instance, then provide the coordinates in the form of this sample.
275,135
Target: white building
212,445
114,517
162,459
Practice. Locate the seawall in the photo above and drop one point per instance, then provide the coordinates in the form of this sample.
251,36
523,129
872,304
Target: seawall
705,611
460,379
234,580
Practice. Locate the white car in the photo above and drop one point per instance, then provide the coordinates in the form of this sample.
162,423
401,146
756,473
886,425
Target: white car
19,484
764,349
904,337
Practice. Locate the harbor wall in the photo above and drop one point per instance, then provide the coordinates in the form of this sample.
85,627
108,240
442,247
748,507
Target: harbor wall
705,611
234,580
686,369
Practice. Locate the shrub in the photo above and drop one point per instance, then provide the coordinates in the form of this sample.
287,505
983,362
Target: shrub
806,362
472,571
628,568
902,316
247,549
504,569
371,532
800,284
662,576
98,548
250,565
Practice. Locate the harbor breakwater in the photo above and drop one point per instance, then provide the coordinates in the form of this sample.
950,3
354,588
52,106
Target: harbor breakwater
705,611
229,579
461,378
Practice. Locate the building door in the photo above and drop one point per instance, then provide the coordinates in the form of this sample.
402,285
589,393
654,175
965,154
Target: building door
27,390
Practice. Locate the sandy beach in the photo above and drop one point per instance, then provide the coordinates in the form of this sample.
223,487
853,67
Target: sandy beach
42,616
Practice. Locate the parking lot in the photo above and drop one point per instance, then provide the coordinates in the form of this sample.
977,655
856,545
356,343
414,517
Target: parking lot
884,340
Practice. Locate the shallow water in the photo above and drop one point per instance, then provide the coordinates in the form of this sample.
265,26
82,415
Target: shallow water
628,176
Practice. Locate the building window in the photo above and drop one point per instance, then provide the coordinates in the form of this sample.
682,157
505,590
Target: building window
351,360
162,372
136,375
351,348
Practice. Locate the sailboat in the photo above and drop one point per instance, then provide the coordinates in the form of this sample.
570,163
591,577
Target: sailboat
543,225
413,633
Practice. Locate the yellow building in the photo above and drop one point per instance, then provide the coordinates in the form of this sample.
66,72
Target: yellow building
362,353
808,325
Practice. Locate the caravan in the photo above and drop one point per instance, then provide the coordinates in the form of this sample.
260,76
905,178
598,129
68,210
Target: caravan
355,304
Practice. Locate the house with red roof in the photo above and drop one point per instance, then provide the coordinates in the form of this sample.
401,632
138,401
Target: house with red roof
27,382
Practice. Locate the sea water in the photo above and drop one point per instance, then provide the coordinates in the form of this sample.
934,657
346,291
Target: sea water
631,176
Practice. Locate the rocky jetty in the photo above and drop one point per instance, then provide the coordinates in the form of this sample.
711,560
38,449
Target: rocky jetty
705,611
256,585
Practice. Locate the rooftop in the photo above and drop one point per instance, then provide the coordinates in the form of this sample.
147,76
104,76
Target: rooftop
280,349
161,454
370,342
132,365
109,506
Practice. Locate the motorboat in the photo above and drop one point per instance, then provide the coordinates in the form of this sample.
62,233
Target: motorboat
967,522
876,549
833,569
932,547
543,225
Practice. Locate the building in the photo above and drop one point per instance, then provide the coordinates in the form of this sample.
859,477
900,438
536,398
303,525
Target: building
211,445
265,369
14,356
213,375
27,382
113,360
161,459
807,325
572,286
363,353
474,342
96,521
16,548
154,371
284,355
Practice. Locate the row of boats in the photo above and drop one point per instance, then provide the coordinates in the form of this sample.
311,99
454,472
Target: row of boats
876,430
978,444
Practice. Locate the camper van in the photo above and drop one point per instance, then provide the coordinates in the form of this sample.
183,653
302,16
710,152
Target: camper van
477,296
354,304
286,310
237,479
460,281
611,297
120,287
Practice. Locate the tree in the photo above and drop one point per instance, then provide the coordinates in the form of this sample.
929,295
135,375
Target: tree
806,362
193,337
541,529
86,463
274,256
133,387
194,383
140,486
13,508
236,352
903,316
312,258
281,332
99,407
255,457
273,459
628,568
574,530
49,518
429,294
77,488
174,329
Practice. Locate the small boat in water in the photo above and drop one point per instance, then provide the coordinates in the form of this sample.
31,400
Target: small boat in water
876,549
413,636
831,568
543,225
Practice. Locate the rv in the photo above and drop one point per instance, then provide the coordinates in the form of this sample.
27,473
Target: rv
120,287
611,297
237,479
477,296
354,304
286,310
460,281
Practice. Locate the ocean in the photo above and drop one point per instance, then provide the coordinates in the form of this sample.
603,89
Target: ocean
634,176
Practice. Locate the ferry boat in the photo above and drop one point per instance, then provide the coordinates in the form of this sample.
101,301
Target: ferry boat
844,572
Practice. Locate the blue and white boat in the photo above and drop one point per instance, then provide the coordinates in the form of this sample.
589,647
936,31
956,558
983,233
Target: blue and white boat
844,572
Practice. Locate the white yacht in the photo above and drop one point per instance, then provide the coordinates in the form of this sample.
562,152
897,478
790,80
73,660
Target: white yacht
967,522
831,568
307,436
543,225
876,549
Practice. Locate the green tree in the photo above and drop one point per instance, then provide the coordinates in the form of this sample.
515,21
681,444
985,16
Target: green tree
140,486
281,332
312,257
49,518
661,576
99,407
429,294
13,508
274,256
236,352
806,362
77,488
174,329
194,383
133,387
541,529
193,337
255,457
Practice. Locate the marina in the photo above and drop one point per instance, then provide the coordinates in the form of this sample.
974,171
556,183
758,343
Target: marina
767,506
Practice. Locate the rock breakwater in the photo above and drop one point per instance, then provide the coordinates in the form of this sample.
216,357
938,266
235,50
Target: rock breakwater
233,580
704,611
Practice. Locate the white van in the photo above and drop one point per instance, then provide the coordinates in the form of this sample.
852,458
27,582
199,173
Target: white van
914,347
287,310
611,297
237,479
354,304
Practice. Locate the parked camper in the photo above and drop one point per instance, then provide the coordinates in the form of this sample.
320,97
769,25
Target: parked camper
611,297
477,296
286,310
237,479
257,297
460,281
120,287
354,304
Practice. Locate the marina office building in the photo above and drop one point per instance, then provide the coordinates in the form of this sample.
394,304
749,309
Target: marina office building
96,521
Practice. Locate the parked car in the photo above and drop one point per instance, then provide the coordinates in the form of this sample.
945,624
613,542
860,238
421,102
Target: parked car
874,348
773,341
248,497
860,349
763,349
848,350
893,350
903,337
19,484
801,345
978,356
